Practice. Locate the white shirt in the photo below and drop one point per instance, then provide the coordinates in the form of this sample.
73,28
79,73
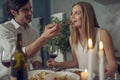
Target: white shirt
8,31
82,55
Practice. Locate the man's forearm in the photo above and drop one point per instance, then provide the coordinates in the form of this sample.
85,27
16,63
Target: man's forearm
35,46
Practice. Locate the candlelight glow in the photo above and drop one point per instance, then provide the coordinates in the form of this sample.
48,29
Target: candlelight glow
100,45
90,44
84,75
85,70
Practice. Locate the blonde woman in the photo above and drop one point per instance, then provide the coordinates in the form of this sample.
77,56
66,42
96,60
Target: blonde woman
84,25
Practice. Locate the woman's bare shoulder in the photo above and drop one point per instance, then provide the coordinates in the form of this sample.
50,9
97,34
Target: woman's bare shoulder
104,34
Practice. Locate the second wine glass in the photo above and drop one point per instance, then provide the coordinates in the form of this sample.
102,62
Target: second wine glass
4,59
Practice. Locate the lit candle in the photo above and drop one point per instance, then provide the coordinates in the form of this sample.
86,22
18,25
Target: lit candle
84,75
90,55
101,61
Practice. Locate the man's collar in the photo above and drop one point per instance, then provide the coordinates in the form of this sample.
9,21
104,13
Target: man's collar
17,26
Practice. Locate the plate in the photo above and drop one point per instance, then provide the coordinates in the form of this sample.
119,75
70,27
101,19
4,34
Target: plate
74,69
62,75
38,74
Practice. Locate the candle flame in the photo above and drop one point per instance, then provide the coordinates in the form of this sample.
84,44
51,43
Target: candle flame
90,44
85,70
100,45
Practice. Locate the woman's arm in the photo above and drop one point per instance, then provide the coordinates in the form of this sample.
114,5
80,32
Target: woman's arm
111,65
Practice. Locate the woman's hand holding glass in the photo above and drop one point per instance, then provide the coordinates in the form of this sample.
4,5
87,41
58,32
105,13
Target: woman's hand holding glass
50,63
53,52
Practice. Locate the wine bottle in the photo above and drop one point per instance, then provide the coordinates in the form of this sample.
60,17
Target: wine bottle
19,62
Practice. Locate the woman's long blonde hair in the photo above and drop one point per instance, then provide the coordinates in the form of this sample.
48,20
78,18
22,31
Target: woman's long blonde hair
89,22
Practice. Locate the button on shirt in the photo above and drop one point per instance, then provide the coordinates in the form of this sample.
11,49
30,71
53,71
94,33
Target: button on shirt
8,31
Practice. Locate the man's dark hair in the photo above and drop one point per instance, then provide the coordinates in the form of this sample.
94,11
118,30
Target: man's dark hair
15,5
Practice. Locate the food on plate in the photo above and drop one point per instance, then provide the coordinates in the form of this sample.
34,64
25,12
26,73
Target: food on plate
39,76
77,72
62,75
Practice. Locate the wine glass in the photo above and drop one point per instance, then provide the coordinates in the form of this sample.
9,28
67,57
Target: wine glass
4,59
53,52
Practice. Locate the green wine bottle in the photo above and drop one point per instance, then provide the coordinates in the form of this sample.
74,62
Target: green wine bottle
19,62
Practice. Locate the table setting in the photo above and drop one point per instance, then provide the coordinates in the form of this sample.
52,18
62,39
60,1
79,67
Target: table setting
52,75
76,73
62,74
65,74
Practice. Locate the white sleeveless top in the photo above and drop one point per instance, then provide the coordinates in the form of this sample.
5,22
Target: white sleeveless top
82,55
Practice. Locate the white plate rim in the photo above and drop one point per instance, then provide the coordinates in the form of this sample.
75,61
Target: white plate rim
74,69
